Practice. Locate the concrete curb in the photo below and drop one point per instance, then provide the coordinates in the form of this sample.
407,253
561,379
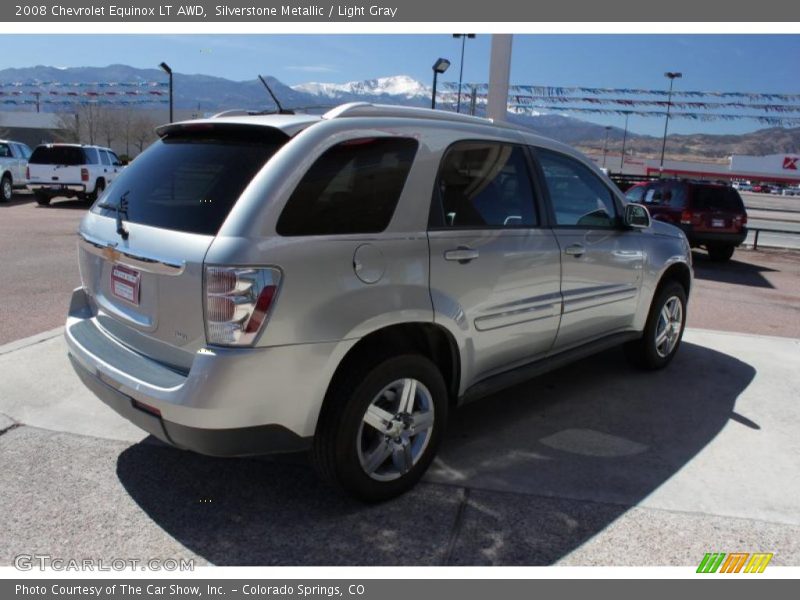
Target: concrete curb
30,341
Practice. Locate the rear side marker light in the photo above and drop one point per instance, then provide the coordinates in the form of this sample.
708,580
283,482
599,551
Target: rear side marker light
238,302
147,408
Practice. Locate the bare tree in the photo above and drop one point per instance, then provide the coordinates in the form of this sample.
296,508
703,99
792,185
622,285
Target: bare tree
69,129
109,125
143,129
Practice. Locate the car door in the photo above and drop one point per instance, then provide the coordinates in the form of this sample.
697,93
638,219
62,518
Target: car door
24,153
601,261
494,270
108,168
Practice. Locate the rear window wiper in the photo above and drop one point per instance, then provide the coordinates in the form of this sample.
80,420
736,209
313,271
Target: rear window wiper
121,208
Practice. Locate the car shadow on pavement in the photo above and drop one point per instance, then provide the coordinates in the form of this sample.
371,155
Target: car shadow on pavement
68,203
16,200
732,271
524,477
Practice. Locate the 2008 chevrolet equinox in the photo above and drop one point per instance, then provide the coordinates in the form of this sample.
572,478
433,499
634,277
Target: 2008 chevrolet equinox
272,283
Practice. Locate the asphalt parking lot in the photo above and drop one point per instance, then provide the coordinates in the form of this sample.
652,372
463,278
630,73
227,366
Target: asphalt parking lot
594,464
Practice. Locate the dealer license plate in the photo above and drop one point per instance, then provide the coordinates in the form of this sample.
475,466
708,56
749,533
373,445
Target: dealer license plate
125,283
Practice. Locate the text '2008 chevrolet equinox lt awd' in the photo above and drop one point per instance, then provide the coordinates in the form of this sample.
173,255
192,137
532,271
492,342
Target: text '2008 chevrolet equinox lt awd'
273,283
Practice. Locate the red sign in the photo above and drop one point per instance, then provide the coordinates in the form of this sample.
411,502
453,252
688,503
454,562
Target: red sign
790,162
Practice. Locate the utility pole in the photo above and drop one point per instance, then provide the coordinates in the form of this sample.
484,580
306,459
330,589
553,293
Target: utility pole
672,76
624,138
464,37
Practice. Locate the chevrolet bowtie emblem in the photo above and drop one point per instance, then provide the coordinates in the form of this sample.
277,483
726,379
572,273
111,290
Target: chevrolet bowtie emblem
110,252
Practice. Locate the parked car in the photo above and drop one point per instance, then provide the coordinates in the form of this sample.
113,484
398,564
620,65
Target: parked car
711,215
13,167
72,171
256,284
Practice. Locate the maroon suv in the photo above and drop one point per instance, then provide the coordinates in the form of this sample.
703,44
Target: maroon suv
711,215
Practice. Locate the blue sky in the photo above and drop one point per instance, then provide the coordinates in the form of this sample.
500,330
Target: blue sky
741,63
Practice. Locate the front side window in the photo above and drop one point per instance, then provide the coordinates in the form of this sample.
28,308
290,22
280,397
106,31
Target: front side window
484,185
104,158
579,197
5,151
351,188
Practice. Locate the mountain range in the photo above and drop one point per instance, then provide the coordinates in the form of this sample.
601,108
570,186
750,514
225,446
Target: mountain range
202,94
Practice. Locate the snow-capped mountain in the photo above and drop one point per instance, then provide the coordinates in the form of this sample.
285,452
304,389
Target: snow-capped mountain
399,86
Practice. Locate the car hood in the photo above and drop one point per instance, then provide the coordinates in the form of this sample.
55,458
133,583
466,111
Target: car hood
662,228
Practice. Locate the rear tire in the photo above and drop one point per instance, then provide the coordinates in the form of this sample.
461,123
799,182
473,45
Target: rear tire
6,189
42,199
99,188
720,253
663,331
381,426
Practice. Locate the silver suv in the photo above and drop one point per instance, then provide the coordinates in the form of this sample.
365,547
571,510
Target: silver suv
273,283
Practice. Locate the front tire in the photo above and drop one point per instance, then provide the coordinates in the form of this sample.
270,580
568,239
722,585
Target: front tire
381,427
664,329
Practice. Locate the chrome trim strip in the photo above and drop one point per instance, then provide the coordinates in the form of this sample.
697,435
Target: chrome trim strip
149,264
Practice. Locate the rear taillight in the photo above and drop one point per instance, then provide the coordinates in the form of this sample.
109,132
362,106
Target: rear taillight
84,174
238,302
686,217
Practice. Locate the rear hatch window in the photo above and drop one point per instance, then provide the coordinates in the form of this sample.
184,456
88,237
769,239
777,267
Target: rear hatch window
57,155
190,181
708,197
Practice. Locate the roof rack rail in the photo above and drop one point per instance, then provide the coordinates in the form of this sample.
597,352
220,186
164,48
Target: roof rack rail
367,109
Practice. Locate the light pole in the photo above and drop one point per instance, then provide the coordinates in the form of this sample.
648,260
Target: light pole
624,139
464,37
605,146
165,67
439,67
672,76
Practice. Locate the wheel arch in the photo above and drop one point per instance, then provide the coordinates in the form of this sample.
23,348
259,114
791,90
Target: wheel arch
428,339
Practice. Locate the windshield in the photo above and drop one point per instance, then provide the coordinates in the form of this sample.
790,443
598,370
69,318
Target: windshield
57,155
191,182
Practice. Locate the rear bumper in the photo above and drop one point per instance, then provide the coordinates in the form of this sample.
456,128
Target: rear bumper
240,441
701,238
232,402
57,188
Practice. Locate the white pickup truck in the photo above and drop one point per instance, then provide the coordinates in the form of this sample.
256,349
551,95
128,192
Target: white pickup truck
13,167
71,170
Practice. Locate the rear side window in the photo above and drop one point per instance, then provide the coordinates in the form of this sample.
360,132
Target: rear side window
92,157
352,188
484,185
57,155
104,158
712,197
190,183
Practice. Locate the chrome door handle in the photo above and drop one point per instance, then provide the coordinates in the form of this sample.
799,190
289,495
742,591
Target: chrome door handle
461,254
575,250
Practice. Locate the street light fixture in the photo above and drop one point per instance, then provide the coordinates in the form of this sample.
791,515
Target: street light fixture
439,67
672,76
605,145
166,68
464,37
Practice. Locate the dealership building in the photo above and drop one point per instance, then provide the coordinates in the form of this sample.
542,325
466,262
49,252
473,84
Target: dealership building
32,128
773,168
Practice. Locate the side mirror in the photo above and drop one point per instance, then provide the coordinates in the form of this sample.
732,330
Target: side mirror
637,216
